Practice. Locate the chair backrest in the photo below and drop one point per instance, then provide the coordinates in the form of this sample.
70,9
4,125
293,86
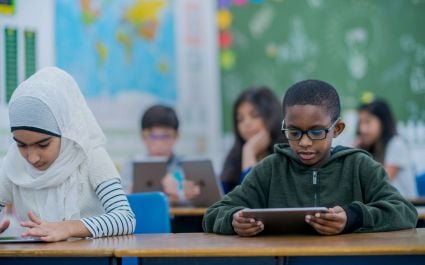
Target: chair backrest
152,212
420,184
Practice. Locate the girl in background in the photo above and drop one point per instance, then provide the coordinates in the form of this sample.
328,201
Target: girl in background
58,174
377,134
257,115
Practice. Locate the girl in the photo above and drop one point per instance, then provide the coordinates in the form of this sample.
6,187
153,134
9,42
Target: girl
58,175
377,134
256,125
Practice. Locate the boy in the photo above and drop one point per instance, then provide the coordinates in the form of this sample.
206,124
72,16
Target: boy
309,172
159,133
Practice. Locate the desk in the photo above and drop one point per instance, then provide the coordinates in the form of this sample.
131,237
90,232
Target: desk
77,251
186,219
417,201
384,247
187,211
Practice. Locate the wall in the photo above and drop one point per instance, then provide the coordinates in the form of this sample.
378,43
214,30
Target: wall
34,15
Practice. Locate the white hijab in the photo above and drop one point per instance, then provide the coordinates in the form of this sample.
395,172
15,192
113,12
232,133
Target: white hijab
52,194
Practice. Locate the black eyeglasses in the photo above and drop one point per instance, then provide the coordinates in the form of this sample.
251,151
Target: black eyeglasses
314,134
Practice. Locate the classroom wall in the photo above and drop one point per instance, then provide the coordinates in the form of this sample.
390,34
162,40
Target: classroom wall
184,75
198,98
32,15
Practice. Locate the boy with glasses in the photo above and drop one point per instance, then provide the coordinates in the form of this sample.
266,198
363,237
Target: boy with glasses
159,132
309,172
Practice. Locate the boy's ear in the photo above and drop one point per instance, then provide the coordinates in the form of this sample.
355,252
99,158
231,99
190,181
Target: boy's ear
339,128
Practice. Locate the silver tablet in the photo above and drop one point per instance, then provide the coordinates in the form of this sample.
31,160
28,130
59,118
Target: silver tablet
19,239
284,220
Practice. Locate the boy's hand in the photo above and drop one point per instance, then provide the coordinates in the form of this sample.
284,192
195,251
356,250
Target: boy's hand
330,223
246,226
191,190
170,185
4,225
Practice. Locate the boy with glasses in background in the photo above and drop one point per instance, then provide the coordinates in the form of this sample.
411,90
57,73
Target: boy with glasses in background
309,172
159,132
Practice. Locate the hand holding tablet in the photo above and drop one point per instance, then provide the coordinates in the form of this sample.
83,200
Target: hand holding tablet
284,220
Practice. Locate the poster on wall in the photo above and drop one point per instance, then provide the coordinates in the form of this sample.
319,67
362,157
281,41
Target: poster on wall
122,55
7,7
11,60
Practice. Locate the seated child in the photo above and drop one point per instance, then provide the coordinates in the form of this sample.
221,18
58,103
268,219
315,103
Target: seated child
256,126
159,132
377,134
58,174
309,172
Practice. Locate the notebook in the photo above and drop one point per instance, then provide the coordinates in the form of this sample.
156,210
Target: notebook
202,173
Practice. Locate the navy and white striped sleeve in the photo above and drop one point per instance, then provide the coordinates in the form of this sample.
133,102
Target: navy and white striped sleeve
118,219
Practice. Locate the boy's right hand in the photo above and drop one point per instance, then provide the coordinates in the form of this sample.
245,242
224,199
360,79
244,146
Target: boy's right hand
170,188
246,226
4,225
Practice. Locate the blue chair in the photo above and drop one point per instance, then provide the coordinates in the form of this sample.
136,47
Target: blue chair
152,216
152,212
420,184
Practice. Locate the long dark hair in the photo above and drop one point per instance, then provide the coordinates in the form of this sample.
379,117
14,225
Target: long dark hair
269,108
380,109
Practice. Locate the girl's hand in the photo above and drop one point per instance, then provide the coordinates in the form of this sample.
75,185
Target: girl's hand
258,143
254,147
191,190
331,223
47,231
246,226
4,225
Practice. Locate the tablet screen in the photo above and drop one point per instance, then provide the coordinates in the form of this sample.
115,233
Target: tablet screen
284,220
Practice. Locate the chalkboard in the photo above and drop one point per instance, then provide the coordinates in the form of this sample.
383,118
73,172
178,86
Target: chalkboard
356,45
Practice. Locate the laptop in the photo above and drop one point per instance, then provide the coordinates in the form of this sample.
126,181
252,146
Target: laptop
202,173
148,173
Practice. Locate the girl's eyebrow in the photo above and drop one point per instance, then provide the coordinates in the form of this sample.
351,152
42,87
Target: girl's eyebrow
35,143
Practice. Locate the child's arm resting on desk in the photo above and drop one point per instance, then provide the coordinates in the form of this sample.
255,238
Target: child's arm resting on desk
118,219
220,217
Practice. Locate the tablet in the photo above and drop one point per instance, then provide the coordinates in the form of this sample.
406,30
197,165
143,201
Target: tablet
284,220
148,173
19,239
201,172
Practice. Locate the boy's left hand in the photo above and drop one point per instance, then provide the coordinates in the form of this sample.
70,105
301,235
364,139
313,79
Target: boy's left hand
330,223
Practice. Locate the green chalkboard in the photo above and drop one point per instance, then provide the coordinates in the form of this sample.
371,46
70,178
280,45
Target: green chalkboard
356,45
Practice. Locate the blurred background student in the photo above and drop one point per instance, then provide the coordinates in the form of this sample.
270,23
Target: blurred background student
377,134
256,126
159,133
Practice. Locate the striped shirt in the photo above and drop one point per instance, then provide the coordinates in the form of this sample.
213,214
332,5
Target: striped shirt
118,218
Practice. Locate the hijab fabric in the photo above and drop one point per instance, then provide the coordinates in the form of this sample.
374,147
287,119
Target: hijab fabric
54,103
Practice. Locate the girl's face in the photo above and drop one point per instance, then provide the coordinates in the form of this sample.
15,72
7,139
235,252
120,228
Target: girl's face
312,153
249,121
38,149
370,128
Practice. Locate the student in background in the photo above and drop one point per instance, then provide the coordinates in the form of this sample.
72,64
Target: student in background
159,133
58,174
256,126
377,134
309,172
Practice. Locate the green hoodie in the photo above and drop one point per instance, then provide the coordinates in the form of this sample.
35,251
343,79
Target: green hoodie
350,179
